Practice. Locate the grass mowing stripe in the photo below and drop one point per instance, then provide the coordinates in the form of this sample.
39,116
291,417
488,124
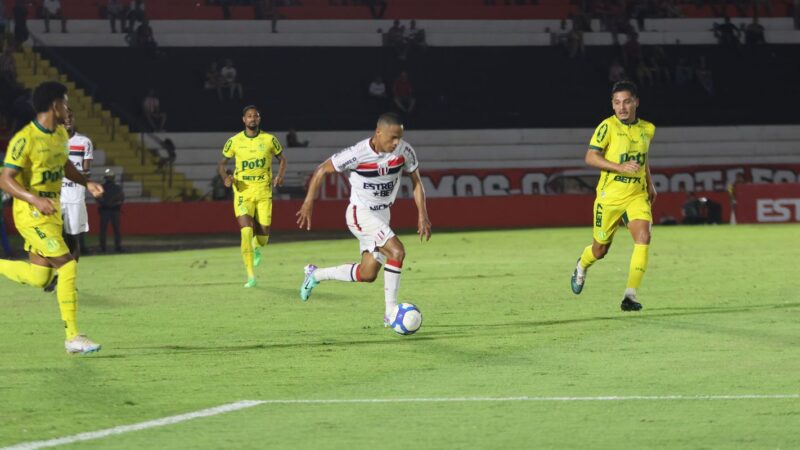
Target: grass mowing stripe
91,435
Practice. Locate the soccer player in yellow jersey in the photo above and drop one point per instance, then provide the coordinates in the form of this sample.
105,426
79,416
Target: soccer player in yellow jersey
252,183
35,164
619,148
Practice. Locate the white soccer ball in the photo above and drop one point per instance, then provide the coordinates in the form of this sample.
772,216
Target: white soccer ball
405,319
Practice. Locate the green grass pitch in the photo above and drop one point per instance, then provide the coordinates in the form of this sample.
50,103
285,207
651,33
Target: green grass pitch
181,334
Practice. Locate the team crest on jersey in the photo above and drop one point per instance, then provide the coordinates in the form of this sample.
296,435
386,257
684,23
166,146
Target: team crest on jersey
383,168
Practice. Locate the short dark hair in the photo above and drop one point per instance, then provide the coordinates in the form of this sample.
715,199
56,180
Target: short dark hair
248,108
625,85
46,93
390,118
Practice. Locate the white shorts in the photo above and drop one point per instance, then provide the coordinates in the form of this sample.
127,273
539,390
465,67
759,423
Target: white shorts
76,219
371,228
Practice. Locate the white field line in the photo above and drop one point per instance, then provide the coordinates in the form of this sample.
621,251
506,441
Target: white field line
222,409
250,403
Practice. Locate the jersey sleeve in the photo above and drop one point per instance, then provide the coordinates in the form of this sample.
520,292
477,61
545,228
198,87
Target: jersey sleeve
17,153
412,163
277,148
228,150
89,151
345,159
600,138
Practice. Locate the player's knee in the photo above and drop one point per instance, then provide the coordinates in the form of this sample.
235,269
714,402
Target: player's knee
600,251
643,237
397,254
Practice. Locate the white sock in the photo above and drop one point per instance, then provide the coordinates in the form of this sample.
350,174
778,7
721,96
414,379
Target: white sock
630,292
345,272
391,283
581,270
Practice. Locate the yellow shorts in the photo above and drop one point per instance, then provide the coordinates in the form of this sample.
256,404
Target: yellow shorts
608,214
44,239
257,207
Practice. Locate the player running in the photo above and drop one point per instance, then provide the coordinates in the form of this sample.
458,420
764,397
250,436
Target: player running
619,147
35,164
375,166
73,195
252,184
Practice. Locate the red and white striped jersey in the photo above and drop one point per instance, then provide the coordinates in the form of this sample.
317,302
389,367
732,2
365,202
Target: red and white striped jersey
375,177
80,148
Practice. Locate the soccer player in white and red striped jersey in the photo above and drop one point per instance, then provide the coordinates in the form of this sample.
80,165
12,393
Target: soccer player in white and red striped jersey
73,195
374,167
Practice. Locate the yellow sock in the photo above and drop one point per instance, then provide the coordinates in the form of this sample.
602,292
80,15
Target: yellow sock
261,239
25,272
68,297
638,265
587,258
247,250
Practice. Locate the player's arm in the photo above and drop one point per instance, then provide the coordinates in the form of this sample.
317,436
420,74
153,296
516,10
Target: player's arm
423,221
281,169
10,185
594,158
304,215
651,190
87,158
227,179
72,173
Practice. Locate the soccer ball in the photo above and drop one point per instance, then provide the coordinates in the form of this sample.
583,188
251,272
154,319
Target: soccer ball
405,319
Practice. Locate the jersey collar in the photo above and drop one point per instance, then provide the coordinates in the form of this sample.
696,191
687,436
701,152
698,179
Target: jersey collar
258,131
625,123
41,127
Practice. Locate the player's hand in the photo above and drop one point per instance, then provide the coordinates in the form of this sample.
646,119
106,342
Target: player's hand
629,167
96,189
228,181
424,228
304,216
278,181
44,205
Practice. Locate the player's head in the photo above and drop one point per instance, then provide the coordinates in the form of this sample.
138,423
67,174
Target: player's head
625,100
251,117
388,132
69,122
51,97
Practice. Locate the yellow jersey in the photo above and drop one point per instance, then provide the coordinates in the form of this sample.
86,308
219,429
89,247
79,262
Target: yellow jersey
620,142
39,155
253,161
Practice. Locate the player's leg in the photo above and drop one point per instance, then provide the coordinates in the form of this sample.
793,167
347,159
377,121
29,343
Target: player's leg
33,273
395,254
640,222
67,295
246,231
606,219
262,222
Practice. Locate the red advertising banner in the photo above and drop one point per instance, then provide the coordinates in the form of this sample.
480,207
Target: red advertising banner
506,182
768,203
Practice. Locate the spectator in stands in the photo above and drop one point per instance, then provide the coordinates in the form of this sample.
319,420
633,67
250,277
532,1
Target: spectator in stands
8,66
377,8
559,37
21,21
377,94
616,72
754,33
692,210
266,10
732,187
404,93
683,72
395,38
115,10
151,107
214,80
169,159
575,42
109,205
292,140
218,189
230,79
226,8
23,109
136,13
632,53
727,34
51,9
415,37
145,39
703,75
